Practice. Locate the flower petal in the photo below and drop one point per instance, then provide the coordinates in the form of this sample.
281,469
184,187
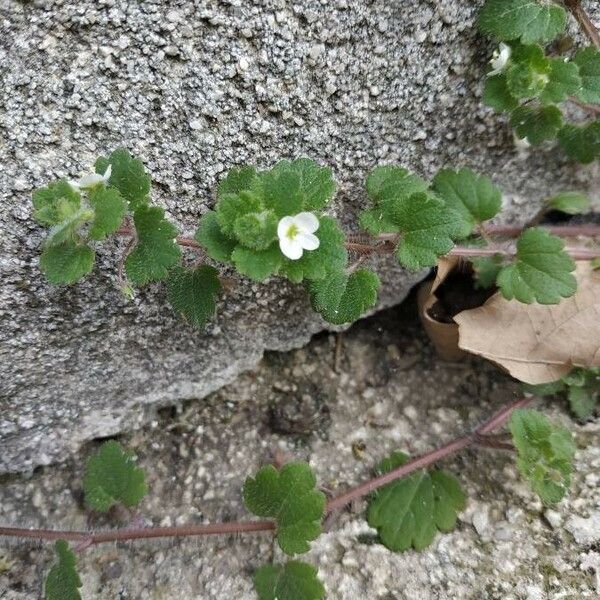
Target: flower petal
307,222
308,241
107,173
283,226
88,181
290,248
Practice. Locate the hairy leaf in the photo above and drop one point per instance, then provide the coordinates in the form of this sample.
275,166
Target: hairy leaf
343,298
472,196
282,190
63,582
295,580
529,72
256,230
564,81
542,271
409,511
109,210
237,180
231,207
316,182
67,262
192,293
581,143
527,20
257,264
128,176
289,496
209,235
111,477
497,95
537,124
545,453
486,270
588,61
55,203
156,251
66,231
571,203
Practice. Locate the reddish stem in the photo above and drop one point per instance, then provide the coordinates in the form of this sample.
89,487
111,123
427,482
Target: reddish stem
585,23
137,533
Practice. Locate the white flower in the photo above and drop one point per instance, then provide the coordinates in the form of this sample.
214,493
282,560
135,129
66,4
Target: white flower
91,180
500,59
521,143
296,234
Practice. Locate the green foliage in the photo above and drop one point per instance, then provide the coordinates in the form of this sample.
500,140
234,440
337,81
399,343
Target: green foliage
588,61
111,477
528,20
295,580
232,207
571,203
289,496
67,230
257,264
257,230
67,262
564,80
581,142
537,124
237,180
497,95
156,251
409,511
545,453
342,297
63,582
472,196
486,269
128,176
55,203
316,183
209,235
529,72
193,293
109,210
541,271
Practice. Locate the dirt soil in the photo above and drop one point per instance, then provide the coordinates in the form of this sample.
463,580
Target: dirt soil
342,402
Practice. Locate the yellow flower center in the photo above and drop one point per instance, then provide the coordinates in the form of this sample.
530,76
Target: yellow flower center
292,231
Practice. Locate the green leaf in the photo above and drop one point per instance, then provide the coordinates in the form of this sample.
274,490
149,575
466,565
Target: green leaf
111,477
128,176
63,582
582,401
427,226
545,453
156,251
109,210
237,180
282,190
588,61
528,20
486,270
529,72
537,124
55,203
257,264
256,230
331,255
66,231
571,203
581,143
497,95
192,293
343,298
209,235
295,580
231,207
545,389
409,511
67,262
385,185
564,80
289,496
316,183
472,196
541,272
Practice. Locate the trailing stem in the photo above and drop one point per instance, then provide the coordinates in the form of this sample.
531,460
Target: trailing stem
480,436
585,23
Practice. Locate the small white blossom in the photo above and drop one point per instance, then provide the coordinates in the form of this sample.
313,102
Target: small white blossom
91,180
521,143
500,59
296,234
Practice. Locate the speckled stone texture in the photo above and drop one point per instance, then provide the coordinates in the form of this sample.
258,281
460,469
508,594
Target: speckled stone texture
194,88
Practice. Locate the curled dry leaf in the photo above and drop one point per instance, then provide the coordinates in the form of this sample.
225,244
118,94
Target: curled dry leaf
538,343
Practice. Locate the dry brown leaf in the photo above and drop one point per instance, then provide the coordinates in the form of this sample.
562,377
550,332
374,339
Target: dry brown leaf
538,343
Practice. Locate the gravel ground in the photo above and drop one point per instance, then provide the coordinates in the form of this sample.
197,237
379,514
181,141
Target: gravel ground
342,405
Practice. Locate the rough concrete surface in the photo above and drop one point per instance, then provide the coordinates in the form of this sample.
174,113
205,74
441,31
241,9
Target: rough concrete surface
194,88
388,392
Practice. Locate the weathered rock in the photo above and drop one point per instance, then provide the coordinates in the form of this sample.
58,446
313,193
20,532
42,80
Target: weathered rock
193,90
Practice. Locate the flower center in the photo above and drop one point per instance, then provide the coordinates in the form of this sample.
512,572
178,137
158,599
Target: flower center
292,231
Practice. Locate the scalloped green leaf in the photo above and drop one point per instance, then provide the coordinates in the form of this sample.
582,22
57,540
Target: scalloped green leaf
588,61
156,251
63,582
193,292
257,264
66,263
497,95
294,580
257,230
238,180
529,72
55,203
570,203
288,495
282,191
545,453
409,511
111,477
563,81
527,20
486,269
316,183
128,175
209,235
109,210
581,142
231,207
537,124
342,297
